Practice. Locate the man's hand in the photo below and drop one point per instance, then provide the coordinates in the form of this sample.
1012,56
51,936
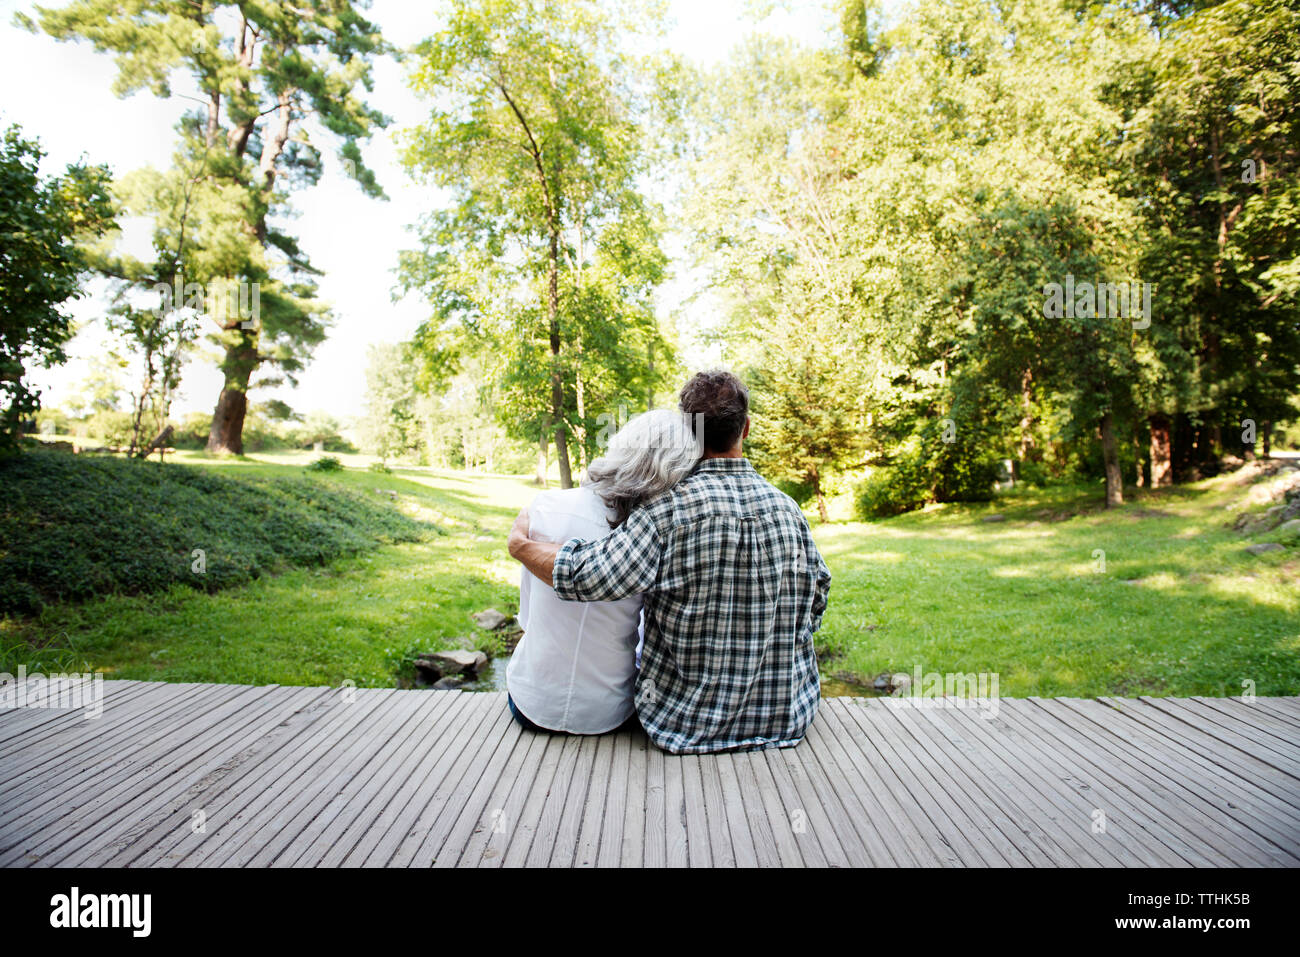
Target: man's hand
537,557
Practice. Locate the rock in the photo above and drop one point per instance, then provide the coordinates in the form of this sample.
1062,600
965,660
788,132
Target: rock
1289,529
887,682
994,518
450,683
1264,547
446,663
489,619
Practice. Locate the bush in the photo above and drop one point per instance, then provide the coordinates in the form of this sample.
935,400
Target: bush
75,527
326,463
890,490
379,468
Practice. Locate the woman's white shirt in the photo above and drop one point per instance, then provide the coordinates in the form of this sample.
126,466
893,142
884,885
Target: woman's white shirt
575,667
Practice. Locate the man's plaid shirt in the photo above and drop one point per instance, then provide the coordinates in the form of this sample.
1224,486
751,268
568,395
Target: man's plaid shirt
734,589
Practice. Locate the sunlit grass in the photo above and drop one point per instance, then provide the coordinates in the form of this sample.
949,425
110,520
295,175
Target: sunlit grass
1059,598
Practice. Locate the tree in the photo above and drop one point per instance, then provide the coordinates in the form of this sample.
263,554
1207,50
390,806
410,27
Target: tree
43,222
1211,147
549,249
262,71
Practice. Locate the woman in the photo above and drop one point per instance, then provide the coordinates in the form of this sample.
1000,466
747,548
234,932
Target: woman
574,670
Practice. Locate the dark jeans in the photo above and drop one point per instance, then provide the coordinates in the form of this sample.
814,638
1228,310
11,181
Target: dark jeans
631,724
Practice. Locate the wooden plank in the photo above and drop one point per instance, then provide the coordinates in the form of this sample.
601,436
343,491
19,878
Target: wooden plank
742,842
1163,787
678,853
171,825
442,753
1117,794
434,716
1058,807
816,828
632,849
487,724
1003,808
445,843
1234,733
296,812
521,836
1226,797
771,823
824,809
548,823
82,804
574,804
1271,707
933,810
354,787
487,843
697,815
884,823
1283,734
587,851
118,816
654,842
1233,761
75,745
21,727
610,845
273,779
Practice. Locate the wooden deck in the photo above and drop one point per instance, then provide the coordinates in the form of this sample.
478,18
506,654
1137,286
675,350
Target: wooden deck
228,775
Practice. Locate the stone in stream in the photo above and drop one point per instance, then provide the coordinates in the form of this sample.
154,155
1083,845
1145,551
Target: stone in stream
489,619
1263,547
450,683
444,664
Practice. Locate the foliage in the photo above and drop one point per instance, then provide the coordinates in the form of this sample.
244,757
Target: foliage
77,527
549,252
43,220
268,75
326,463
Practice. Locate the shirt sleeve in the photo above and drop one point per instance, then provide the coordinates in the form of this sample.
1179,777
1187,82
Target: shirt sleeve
625,562
823,587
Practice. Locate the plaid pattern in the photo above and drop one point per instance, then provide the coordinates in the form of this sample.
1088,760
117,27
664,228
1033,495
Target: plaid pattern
734,589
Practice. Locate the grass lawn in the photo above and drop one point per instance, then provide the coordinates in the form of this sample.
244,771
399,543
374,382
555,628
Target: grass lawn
1060,598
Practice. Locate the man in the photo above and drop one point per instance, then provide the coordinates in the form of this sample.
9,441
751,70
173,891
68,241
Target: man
734,590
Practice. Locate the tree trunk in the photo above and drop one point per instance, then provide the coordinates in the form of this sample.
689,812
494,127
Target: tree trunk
1266,433
821,499
542,455
1162,471
1110,452
557,384
226,436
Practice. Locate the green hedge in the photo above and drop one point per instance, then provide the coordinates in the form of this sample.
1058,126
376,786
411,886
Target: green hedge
73,527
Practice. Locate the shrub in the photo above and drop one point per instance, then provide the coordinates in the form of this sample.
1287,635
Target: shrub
380,468
890,490
326,463
74,527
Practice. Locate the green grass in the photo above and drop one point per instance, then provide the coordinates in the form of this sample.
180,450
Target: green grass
1178,608
939,589
357,617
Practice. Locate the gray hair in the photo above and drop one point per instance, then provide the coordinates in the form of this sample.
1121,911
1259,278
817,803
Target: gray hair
650,454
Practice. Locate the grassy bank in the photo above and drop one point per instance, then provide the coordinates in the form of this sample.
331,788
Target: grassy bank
1059,598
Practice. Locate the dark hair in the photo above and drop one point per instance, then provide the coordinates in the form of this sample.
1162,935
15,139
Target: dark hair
723,401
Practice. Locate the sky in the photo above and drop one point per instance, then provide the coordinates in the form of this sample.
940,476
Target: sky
60,94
